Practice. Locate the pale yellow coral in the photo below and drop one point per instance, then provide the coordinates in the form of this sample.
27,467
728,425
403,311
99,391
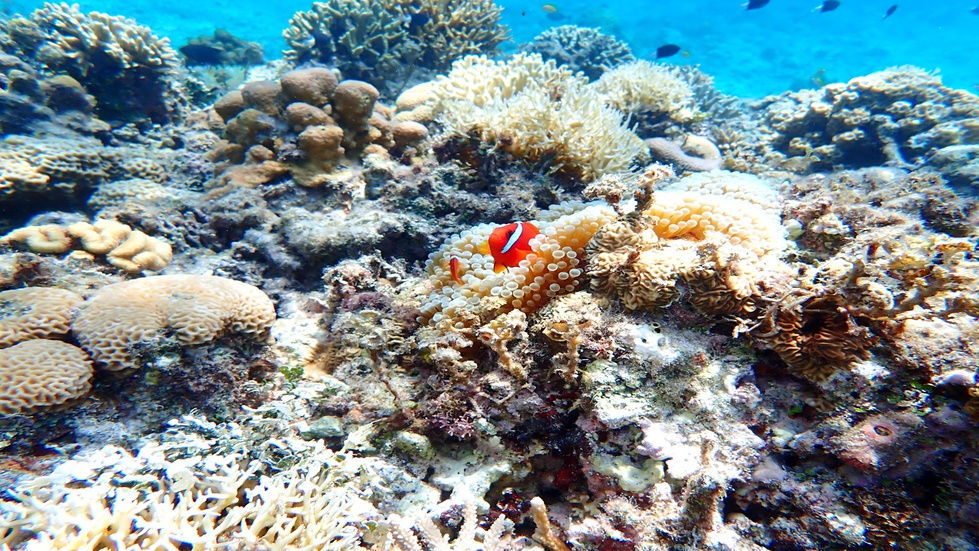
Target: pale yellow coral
42,373
553,268
641,86
124,248
36,313
538,113
193,309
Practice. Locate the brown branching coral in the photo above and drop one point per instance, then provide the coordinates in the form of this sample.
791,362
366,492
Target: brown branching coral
816,335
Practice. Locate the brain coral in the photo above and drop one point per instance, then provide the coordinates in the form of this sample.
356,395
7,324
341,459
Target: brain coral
193,309
127,68
554,268
583,49
900,115
42,373
71,165
371,39
36,313
526,108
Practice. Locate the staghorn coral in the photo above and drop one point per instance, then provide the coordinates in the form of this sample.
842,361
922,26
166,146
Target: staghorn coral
191,309
42,373
647,91
552,269
128,69
369,40
36,313
129,250
899,116
537,113
170,496
581,49
31,165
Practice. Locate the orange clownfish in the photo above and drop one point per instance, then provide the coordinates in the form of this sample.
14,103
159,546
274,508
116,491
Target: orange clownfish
454,269
510,244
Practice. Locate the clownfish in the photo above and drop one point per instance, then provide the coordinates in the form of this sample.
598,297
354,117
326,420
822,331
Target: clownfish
510,244
454,269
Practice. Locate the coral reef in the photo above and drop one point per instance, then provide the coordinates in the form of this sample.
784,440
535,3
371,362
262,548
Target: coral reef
122,64
649,93
900,117
581,49
376,41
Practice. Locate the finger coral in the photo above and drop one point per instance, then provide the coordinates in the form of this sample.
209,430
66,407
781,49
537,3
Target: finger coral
553,268
130,250
42,373
192,309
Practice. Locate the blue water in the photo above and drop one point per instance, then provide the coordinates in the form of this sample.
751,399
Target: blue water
750,54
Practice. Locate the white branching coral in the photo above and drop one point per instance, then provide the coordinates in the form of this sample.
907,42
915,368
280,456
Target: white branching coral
538,113
187,491
644,87
401,537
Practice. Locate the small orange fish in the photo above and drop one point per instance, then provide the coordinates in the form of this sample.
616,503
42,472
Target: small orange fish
510,244
454,269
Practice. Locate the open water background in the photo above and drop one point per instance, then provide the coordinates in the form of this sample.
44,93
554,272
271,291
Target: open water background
750,53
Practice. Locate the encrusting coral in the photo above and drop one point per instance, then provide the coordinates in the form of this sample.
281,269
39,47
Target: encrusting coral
130,250
127,68
369,40
58,165
191,309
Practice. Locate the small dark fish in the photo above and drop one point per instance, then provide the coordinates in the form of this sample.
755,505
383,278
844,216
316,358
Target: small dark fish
667,50
890,11
322,41
756,4
417,20
202,54
828,5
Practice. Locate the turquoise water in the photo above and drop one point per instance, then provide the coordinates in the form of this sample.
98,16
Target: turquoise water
750,53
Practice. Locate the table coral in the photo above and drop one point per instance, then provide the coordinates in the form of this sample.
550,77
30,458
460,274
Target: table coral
369,40
126,67
42,373
192,309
